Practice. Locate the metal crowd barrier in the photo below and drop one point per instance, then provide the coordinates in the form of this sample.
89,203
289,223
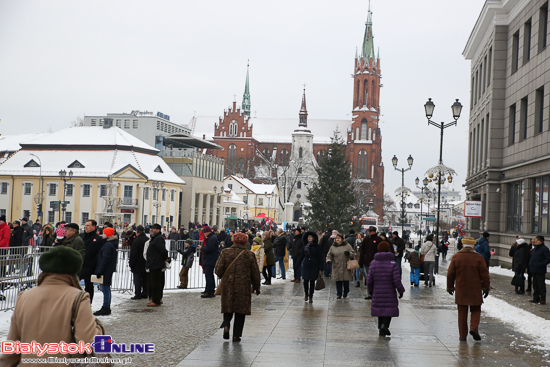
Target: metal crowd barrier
19,271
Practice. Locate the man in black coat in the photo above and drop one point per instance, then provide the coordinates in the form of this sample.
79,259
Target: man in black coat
157,255
351,238
93,243
137,263
369,248
16,241
210,252
296,250
279,250
399,248
222,235
540,258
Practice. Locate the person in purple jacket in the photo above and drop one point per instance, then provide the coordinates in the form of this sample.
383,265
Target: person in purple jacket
382,281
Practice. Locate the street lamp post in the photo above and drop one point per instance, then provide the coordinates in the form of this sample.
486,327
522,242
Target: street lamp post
402,170
429,109
157,203
63,176
218,205
39,198
425,187
246,208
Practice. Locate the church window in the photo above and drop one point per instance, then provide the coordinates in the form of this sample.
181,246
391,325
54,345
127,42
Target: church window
319,156
373,101
364,129
283,160
362,164
300,170
357,132
300,153
266,154
232,159
370,133
241,166
299,184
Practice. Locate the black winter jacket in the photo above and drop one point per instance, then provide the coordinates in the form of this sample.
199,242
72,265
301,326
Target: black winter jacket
279,245
106,262
16,236
156,253
520,256
93,243
540,258
137,261
297,245
210,251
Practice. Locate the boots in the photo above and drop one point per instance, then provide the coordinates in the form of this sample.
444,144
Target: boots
358,284
306,298
310,299
104,311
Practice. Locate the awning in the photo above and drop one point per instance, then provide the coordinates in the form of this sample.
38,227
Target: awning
189,141
232,217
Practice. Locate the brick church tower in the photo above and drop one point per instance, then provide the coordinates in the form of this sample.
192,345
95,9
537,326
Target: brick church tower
364,139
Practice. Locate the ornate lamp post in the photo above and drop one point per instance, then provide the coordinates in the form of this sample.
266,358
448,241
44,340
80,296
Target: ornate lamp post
157,204
63,176
39,198
424,187
402,170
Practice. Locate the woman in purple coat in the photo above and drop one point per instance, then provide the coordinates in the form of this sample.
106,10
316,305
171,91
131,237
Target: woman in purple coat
382,281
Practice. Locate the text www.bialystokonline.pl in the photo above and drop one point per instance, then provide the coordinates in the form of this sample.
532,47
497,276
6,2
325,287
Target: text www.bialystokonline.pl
68,361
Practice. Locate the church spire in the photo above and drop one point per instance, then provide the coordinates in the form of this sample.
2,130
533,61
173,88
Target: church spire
246,94
368,43
303,110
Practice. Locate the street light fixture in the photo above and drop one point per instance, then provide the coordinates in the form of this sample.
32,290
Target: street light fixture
429,110
410,161
39,198
63,176
422,189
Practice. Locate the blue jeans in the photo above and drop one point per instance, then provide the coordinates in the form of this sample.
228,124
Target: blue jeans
106,289
415,275
398,260
210,282
281,261
358,271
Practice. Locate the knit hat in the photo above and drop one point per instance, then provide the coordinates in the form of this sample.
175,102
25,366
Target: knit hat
334,234
140,228
339,235
18,222
486,234
383,247
469,242
190,241
520,241
61,260
540,238
258,240
240,237
109,232
60,232
395,233
372,229
206,229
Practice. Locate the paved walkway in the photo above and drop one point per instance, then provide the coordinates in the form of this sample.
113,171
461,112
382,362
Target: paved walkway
283,330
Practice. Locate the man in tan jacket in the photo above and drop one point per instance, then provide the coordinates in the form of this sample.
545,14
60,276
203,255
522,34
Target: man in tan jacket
43,314
469,277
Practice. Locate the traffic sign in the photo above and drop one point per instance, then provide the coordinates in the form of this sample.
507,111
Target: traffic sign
429,219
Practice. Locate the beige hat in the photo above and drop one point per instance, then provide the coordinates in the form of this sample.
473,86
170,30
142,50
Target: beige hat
469,241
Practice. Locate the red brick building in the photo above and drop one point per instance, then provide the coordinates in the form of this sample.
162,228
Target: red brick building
243,138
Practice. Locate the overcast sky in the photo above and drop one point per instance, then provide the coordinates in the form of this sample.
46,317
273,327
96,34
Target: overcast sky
63,59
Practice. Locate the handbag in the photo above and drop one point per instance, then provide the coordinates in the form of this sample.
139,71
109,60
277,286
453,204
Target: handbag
74,314
518,280
423,256
218,290
319,284
353,264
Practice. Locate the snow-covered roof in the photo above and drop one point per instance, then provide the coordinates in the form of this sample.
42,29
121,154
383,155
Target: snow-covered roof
278,130
91,135
11,143
253,187
232,198
99,152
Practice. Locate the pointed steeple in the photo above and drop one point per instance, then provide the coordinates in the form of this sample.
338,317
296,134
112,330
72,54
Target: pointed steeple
303,110
246,94
368,42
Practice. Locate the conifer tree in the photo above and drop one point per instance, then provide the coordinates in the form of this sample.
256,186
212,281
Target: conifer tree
331,197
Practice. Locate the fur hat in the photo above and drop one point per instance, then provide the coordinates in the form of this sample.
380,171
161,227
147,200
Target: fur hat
310,233
240,237
520,241
383,247
61,260
469,242
109,232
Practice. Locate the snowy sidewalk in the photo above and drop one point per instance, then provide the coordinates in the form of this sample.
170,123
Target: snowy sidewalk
283,330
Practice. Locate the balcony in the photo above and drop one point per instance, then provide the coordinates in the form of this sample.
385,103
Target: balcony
127,203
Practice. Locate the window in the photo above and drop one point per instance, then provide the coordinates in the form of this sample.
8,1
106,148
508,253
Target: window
476,87
163,195
515,52
486,145
232,159
161,220
126,124
523,119
145,220
472,91
260,201
102,190
68,217
51,216
526,41
53,189
299,184
146,193
28,188
118,123
85,217
86,190
26,213
3,212
364,129
515,207
300,153
172,195
128,191
4,189
539,108
362,164
512,125
100,122
93,123
483,83
490,61
300,170
155,194
540,207
69,191
543,26
135,124
319,156
283,158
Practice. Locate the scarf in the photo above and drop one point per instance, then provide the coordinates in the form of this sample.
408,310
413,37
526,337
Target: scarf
306,249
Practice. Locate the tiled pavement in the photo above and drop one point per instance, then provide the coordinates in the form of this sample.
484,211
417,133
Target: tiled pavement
283,330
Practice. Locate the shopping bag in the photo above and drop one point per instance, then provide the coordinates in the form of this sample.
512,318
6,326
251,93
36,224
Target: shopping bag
319,284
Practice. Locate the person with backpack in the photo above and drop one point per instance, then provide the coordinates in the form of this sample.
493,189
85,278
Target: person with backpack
416,264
